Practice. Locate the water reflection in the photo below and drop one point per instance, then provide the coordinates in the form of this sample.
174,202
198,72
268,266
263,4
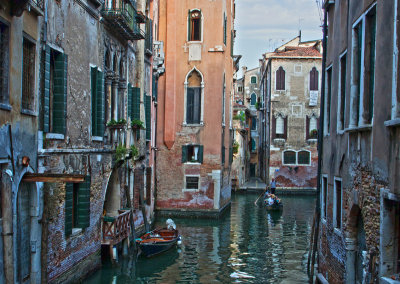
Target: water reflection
248,245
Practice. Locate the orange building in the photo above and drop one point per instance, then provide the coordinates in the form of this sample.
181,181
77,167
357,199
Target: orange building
193,112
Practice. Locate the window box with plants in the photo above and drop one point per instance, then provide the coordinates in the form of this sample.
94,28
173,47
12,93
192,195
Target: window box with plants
120,123
137,124
313,134
120,153
134,152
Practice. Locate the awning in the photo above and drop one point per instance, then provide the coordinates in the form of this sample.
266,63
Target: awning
46,177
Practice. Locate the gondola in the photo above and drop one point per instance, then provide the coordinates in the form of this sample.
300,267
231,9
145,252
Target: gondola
277,205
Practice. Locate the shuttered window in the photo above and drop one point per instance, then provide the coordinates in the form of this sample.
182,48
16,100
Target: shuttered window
148,185
28,75
55,91
136,106
303,158
4,61
253,99
280,79
253,145
253,79
193,106
148,116
192,153
77,205
225,27
289,157
130,102
314,79
97,93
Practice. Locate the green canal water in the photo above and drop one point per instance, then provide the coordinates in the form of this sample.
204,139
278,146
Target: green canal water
247,245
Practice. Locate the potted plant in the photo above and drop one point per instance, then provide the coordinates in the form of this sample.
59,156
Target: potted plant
116,123
134,152
137,124
313,133
120,152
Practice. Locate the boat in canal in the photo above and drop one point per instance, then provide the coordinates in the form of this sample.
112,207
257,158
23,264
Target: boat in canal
159,240
273,203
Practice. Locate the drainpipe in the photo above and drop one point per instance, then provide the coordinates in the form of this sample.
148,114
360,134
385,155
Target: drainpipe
320,144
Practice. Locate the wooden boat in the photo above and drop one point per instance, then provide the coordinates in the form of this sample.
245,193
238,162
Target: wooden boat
158,241
277,205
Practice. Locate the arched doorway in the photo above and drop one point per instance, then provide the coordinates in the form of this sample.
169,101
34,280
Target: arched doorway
112,200
25,199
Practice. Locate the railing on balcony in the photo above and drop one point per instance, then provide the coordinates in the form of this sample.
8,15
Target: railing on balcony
116,229
117,134
121,16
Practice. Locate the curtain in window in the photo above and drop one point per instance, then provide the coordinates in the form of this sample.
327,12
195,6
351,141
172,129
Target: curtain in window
280,125
193,105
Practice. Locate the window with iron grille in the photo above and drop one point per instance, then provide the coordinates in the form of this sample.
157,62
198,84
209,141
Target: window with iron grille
303,158
289,157
4,42
192,182
28,75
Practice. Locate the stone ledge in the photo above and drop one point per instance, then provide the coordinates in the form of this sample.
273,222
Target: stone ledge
193,213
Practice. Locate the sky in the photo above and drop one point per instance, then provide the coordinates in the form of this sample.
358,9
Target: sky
263,25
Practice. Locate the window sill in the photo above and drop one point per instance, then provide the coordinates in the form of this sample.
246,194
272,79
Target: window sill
192,163
5,106
312,140
76,232
29,112
362,128
190,190
393,122
201,124
54,136
97,138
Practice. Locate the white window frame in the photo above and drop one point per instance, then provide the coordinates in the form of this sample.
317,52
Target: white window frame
337,223
395,82
339,127
326,118
186,85
185,189
283,157
297,157
324,207
254,76
201,26
353,120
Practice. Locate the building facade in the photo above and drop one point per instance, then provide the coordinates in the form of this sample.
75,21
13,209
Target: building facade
194,117
359,232
291,89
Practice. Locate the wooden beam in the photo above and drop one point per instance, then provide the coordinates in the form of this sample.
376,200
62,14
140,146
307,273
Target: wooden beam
46,177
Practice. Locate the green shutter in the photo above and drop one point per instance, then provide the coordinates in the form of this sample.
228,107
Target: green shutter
130,101
201,151
84,203
136,107
184,153
232,37
372,68
93,93
46,90
100,104
69,189
60,93
189,27
223,155
154,87
230,155
148,116
224,29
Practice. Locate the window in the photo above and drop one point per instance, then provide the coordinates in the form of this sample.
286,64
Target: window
342,92
324,199
314,79
194,29
297,69
279,127
192,153
254,123
304,158
192,182
328,101
253,80
148,185
97,83
289,157
253,145
280,79
396,62
225,27
4,60
193,98
28,75
253,99
338,204
240,89
77,205
363,68
55,91
312,127
223,101
147,106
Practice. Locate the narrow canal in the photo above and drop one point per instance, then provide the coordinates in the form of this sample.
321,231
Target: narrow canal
247,245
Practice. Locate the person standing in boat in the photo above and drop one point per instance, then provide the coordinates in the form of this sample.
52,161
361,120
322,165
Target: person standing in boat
273,186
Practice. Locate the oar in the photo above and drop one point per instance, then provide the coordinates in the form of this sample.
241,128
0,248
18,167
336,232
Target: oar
262,193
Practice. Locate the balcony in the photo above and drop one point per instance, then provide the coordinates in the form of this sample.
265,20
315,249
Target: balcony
116,229
37,6
121,16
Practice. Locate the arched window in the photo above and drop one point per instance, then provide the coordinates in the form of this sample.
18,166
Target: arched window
289,157
311,127
115,63
193,98
314,79
194,28
280,79
303,158
107,59
253,99
280,125
121,68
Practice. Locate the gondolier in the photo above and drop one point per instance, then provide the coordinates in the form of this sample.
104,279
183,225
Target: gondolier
273,186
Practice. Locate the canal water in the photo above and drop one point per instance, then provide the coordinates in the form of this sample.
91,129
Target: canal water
247,245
